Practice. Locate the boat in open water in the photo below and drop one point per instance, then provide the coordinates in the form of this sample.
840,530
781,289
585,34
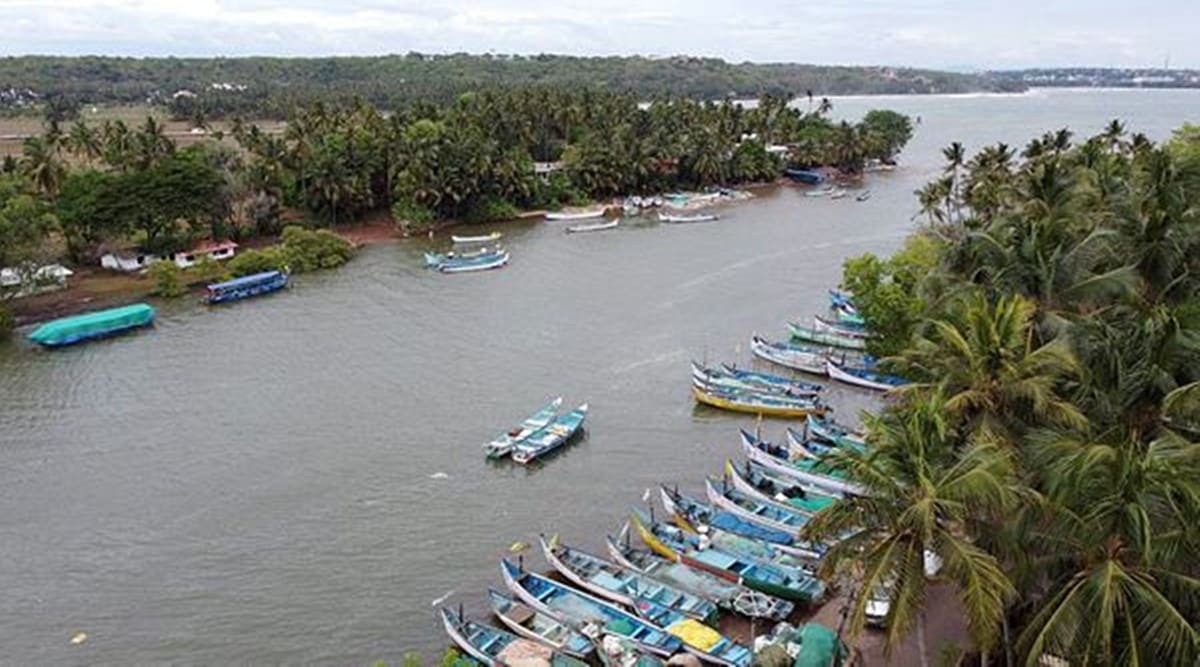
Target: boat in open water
554,435
485,238
532,624
585,612
727,594
486,262
676,218
498,648
90,326
502,446
246,287
581,215
595,227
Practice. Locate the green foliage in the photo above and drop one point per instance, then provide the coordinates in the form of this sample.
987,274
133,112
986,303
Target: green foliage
885,291
312,250
249,262
25,228
492,209
168,280
7,323
889,130
411,216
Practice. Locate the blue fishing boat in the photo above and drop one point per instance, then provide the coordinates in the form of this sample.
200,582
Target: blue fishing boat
848,318
727,594
754,383
759,482
246,287
807,358
722,494
780,459
842,301
484,262
90,326
672,542
618,584
770,380
733,533
497,648
550,438
805,176
580,610
532,624
832,432
501,446
863,376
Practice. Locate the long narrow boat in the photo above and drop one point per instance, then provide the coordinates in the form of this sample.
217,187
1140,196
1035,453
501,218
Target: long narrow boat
671,542
813,335
90,326
779,459
839,329
683,219
481,263
767,514
501,446
486,238
434,260
676,612
863,377
497,648
623,586
842,300
532,624
727,594
596,227
805,176
848,318
245,287
732,533
807,358
581,610
550,438
581,215
754,382
753,403
769,379
755,480
830,431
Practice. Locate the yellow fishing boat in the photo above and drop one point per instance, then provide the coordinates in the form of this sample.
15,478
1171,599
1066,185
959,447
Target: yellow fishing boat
758,405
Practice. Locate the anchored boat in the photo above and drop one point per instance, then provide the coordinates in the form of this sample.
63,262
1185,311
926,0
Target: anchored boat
89,326
246,287
807,358
596,227
683,219
550,438
779,459
501,446
532,624
863,377
497,648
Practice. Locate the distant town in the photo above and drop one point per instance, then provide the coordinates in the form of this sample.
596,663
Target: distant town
1098,77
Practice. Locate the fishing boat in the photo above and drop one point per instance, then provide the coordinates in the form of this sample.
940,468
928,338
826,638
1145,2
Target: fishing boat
758,404
727,594
436,259
485,238
757,481
245,287
589,614
676,218
722,494
497,648
769,380
847,318
733,533
839,328
623,586
779,459
823,192
595,227
863,377
863,196
760,383
805,176
832,432
699,639
581,215
671,542
532,624
89,326
839,193
842,300
831,339
551,437
501,446
807,358
480,263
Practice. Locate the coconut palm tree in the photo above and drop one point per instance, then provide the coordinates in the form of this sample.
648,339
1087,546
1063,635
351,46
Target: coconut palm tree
43,166
922,489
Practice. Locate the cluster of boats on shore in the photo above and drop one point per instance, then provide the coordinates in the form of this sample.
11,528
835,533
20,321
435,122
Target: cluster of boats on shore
736,551
834,346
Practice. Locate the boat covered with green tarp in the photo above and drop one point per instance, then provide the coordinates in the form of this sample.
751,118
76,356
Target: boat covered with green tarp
79,328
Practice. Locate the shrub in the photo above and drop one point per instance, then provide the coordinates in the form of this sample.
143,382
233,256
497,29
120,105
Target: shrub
411,216
167,281
309,250
490,209
257,261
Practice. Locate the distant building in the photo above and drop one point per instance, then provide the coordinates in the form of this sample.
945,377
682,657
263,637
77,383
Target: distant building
46,278
127,261
215,250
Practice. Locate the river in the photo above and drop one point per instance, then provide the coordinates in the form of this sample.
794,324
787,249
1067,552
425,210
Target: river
297,478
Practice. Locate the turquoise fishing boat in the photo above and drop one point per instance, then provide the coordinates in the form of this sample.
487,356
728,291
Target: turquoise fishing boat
829,338
757,481
735,534
532,624
90,326
497,648
502,446
550,438
781,460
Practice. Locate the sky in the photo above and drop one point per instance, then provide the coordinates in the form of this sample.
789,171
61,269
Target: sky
962,34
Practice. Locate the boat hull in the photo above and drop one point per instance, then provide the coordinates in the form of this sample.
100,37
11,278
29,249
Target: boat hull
729,403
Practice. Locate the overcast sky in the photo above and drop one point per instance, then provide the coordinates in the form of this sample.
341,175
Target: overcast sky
933,33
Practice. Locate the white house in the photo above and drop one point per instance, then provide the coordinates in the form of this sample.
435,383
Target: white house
47,278
219,250
128,262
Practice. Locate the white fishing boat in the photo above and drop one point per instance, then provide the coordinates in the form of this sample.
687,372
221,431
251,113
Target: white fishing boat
483,263
486,238
840,193
581,215
594,227
823,192
680,219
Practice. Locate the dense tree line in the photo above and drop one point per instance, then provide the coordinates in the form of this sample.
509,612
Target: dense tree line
1049,315
272,87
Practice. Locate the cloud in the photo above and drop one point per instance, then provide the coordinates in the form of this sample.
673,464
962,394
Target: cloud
901,32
